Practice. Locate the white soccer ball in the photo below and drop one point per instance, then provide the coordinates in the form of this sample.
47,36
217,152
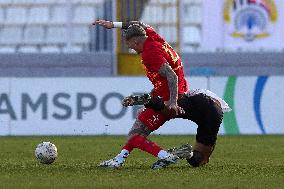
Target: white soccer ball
46,152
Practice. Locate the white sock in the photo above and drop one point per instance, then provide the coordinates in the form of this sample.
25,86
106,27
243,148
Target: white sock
163,154
122,155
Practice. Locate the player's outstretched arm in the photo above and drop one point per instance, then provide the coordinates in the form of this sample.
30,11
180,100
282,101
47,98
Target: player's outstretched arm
104,23
124,25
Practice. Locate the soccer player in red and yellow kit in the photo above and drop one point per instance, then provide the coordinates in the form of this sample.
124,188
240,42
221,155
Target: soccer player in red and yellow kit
164,69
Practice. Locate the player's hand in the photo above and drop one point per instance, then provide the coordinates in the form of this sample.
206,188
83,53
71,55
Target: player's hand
173,106
103,23
127,101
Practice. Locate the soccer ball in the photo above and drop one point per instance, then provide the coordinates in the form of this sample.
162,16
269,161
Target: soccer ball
46,152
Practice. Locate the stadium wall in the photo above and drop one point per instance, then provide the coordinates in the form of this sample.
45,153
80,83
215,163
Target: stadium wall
102,64
215,64
232,63
91,106
57,65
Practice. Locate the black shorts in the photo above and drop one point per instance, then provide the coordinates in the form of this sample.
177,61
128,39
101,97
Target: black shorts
206,112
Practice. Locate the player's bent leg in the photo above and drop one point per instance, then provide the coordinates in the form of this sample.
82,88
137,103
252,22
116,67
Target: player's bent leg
136,136
148,121
205,143
208,127
201,155
152,120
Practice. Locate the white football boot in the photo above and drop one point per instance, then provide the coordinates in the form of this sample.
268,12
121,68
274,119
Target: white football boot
117,161
183,152
112,163
162,163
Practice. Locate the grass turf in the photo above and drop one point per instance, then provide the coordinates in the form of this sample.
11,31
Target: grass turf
237,162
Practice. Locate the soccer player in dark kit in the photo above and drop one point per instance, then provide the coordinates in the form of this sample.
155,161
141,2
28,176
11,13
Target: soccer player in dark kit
169,99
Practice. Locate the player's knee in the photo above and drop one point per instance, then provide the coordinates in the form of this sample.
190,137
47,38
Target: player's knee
197,159
139,131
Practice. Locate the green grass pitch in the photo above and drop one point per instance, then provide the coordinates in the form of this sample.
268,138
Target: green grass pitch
237,162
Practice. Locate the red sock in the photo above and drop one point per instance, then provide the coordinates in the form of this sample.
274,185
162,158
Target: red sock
141,142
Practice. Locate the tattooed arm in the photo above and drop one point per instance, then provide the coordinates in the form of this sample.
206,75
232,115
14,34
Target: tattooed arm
166,71
171,76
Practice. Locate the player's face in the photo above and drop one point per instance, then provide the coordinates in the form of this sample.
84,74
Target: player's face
134,44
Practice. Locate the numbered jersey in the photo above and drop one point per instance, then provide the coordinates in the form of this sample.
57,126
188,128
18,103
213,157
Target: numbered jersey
156,52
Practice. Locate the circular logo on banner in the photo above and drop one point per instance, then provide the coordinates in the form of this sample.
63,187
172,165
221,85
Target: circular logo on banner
250,19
